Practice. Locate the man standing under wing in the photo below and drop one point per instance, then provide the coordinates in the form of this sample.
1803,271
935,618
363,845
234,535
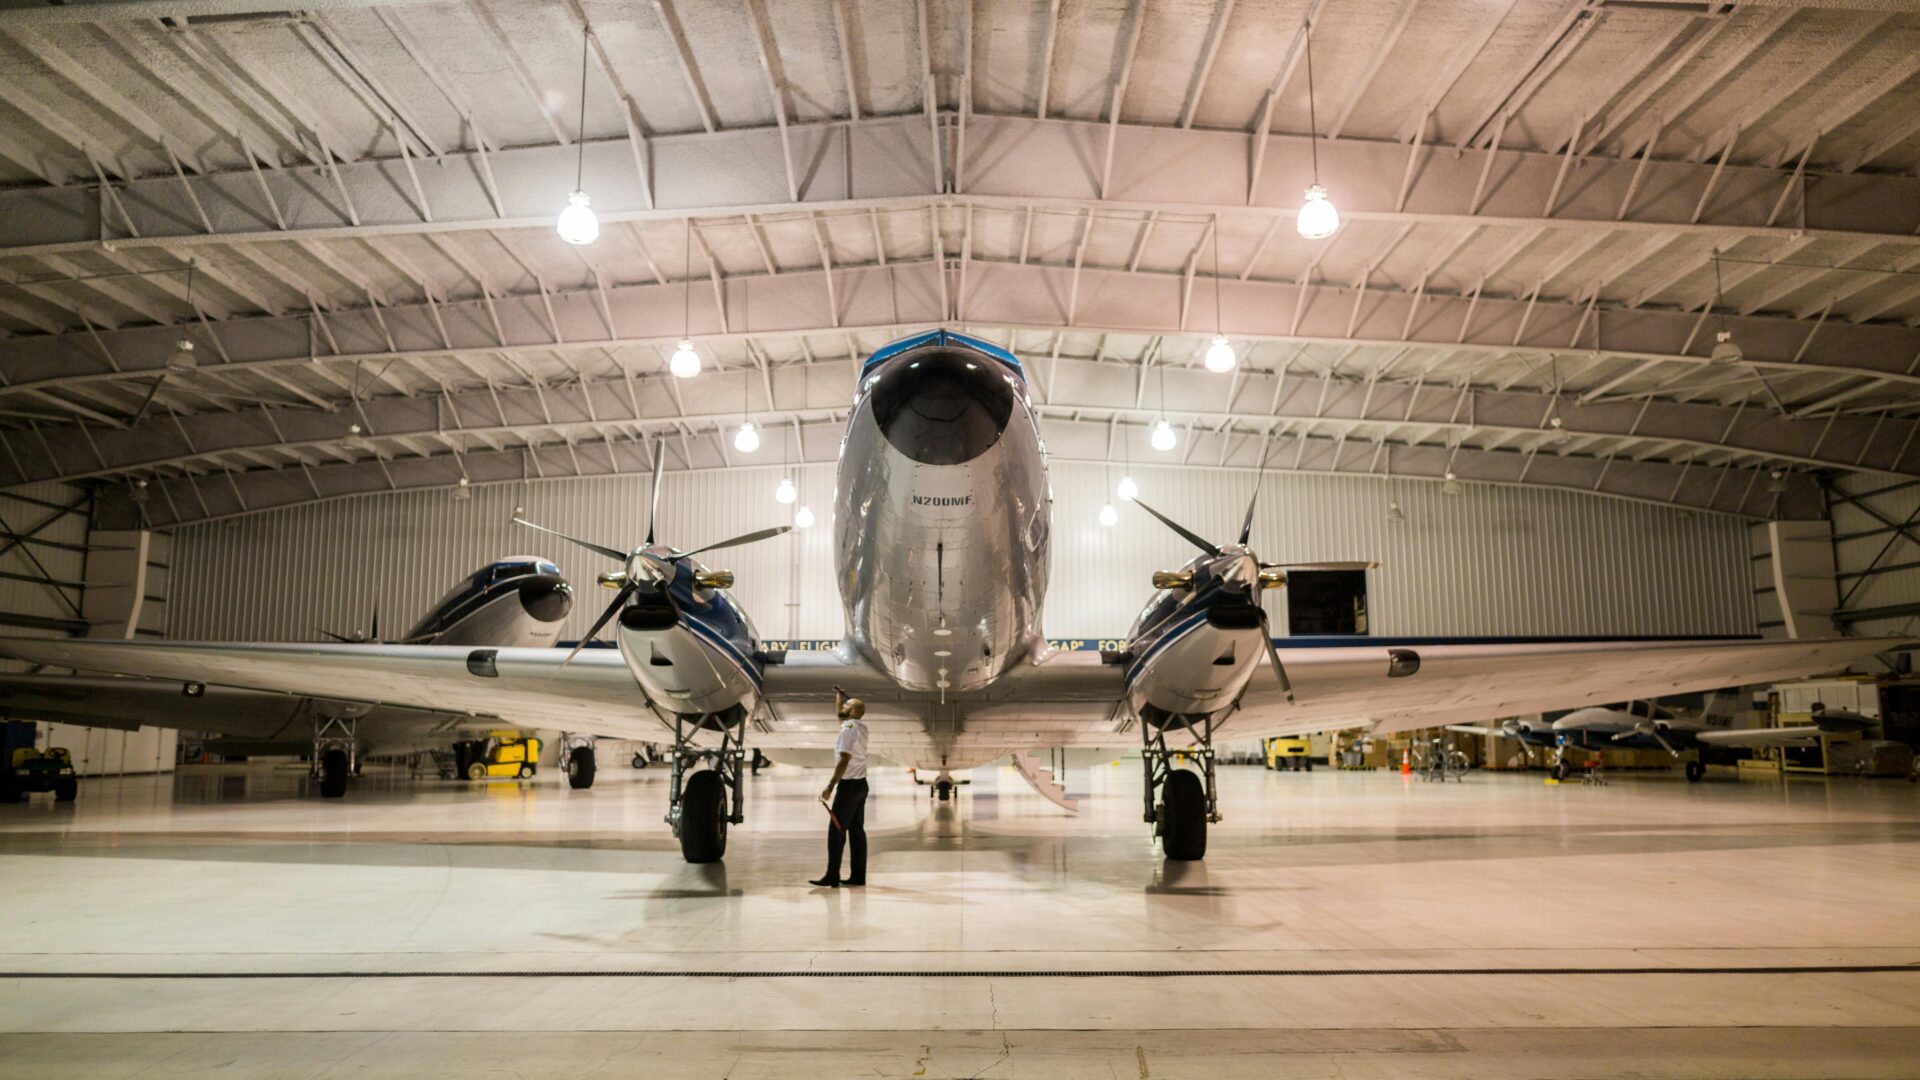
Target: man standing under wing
847,808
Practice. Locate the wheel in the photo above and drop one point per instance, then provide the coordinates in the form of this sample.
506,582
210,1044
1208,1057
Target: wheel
1695,772
943,790
1183,816
333,774
580,767
526,771
639,761
1560,770
703,818
66,789
1309,764
477,771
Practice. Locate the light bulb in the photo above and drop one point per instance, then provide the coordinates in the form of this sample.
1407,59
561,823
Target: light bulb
786,492
1127,489
746,440
1109,516
1220,355
182,358
1450,486
1163,437
685,362
803,518
1318,219
577,224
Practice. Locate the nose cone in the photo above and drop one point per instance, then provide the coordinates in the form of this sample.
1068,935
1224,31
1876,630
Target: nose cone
546,597
943,407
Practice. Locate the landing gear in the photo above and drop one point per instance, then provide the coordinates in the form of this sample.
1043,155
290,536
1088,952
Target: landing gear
1695,772
1189,801
1561,770
336,754
576,756
640,760
943,789
698,805
580,767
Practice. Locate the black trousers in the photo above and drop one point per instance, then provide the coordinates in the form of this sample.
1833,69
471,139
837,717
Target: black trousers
850,809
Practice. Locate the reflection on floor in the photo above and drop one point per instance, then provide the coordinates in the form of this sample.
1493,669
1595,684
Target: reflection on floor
239,870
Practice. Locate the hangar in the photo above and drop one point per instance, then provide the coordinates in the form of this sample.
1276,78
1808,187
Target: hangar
1506,409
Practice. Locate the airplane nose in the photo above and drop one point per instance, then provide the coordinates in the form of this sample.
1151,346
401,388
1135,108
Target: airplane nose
942,407
546,598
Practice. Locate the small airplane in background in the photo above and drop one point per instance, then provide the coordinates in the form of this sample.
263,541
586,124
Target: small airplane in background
519,601
1645,725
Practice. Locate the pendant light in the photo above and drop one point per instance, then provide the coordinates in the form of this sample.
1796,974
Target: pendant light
1725,350
1128,490
1109,516
1317,219
1220,356
785,493
578,225
803,518
1163,438
685,363
181,359
746,438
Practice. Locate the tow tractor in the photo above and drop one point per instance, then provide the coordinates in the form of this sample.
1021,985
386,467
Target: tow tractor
35,770
501,755
1286,754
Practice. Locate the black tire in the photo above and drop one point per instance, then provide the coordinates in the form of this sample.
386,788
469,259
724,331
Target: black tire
703,818
943,791
640,761
66,789
477,770
1183,822
1560,770
1309,762
1695,772
333,774
580,767
526,771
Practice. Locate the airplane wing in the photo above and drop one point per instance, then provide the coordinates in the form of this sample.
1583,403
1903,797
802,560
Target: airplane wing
1351,686
595,693
1799,735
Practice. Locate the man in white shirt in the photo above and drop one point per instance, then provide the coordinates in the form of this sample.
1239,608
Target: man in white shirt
847,807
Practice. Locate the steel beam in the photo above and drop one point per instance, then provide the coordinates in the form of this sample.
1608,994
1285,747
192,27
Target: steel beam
879,162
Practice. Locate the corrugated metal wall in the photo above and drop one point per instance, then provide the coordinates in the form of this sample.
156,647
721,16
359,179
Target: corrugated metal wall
60,548
1860,538
1488,561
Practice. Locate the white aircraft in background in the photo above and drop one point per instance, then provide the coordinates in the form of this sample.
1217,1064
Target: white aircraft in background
1645,725
520,601
943,523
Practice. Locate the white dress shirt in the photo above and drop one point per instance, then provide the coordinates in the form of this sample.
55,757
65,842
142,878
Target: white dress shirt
853,742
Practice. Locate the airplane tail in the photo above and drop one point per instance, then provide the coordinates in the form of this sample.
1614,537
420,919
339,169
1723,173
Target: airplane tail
1721,708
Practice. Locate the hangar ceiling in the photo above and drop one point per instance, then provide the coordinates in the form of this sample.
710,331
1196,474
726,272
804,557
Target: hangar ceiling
1550,212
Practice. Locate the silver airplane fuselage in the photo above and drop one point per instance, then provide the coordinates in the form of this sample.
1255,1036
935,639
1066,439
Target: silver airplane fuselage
943,515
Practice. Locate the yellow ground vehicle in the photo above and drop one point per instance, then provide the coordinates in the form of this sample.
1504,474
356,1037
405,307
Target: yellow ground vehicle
34,770
1287,754
500,754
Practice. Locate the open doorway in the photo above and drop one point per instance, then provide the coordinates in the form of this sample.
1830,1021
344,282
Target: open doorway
1326,602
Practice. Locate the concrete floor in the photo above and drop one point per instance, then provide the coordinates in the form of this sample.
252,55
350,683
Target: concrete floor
431,928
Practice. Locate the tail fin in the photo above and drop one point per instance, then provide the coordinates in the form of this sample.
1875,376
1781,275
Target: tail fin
1721,707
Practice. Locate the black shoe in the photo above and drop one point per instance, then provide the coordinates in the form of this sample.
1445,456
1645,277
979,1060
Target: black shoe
854,884
826,883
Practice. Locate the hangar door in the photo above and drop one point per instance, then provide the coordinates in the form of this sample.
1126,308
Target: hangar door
1326,602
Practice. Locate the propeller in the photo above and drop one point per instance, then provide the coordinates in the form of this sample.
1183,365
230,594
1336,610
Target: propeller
643,561
372,634
1652,731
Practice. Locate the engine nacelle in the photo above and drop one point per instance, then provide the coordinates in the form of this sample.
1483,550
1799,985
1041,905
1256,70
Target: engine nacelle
689,646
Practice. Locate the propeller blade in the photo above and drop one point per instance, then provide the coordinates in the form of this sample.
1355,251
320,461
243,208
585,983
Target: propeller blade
1356,565
619,601
1246,527
1664,744
1187,534
373,632
745,538
611,553
653,500
1273,654
344,639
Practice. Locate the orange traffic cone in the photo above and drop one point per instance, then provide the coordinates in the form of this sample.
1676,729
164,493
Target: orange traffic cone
1406,762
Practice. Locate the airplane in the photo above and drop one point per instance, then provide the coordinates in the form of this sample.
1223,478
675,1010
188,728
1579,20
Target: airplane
519,601
1645,725
943,523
